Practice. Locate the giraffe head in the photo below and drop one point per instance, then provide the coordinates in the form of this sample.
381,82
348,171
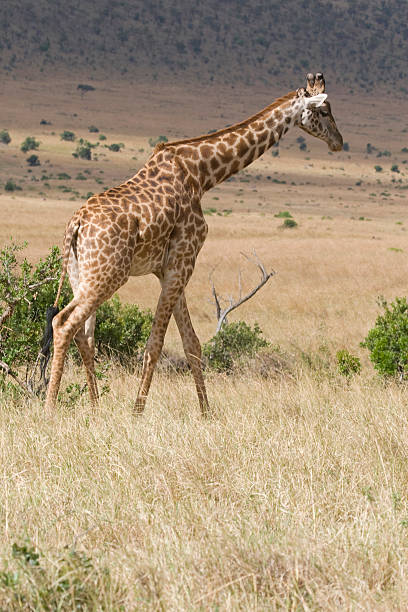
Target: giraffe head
316,117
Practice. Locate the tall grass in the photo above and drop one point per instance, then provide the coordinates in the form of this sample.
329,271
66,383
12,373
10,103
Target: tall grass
294,496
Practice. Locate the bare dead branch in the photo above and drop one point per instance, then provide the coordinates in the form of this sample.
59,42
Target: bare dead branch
20,383
217,302
265,276
44,281
6,315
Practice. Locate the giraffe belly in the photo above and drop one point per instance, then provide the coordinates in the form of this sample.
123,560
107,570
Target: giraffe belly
147,260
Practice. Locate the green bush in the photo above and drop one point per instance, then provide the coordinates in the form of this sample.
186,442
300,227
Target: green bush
67,135
93,129
387,341
20,336
5,137
115,146
83,87
33,160
232,343
121,329
384,154
347,363
72,581
154,141
84,149
10,185
289,223
283,214
29,144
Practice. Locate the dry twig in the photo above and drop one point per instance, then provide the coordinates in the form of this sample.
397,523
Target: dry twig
222,313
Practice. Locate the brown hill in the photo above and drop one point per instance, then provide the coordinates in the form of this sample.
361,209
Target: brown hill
357,43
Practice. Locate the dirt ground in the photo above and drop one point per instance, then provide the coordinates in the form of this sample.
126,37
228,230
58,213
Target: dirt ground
350,242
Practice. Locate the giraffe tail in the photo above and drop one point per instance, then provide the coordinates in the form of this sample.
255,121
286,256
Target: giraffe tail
70,235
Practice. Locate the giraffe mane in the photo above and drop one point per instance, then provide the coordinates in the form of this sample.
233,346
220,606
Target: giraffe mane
227,130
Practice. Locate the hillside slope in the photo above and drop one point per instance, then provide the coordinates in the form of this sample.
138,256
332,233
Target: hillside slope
359,44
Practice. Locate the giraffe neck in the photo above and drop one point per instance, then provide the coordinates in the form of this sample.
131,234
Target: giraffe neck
208,160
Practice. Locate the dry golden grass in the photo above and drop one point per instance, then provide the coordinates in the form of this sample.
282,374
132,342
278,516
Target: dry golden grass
294,496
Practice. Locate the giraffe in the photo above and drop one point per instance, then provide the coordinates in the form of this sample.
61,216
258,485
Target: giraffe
153,223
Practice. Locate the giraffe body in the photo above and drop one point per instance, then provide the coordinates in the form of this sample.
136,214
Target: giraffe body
153,223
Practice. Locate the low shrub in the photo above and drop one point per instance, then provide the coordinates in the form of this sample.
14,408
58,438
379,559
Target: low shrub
234,342
5,137
29,144
33,160
83,87
387,341
115,146
27,299
84,149
289,223
347,364
155,141
72,581
68,136
121,329
10,185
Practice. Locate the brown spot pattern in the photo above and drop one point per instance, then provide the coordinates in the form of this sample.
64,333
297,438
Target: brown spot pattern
153,223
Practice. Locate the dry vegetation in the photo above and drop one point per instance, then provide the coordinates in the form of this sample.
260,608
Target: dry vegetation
294,496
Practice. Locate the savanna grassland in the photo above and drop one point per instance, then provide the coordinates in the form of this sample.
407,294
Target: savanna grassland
294,495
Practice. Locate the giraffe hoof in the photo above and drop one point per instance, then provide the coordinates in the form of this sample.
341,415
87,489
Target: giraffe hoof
138,409
207,412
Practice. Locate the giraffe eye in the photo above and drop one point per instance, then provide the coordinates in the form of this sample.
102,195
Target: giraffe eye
324,113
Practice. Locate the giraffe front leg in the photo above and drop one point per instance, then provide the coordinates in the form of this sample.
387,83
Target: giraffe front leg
151,355
192,349
169,295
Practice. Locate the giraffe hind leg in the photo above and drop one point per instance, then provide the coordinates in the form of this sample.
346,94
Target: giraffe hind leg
85,341
65,325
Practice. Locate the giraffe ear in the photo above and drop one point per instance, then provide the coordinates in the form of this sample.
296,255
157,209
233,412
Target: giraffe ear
315,101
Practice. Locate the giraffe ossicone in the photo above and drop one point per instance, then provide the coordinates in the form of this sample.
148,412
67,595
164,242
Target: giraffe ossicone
153,224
